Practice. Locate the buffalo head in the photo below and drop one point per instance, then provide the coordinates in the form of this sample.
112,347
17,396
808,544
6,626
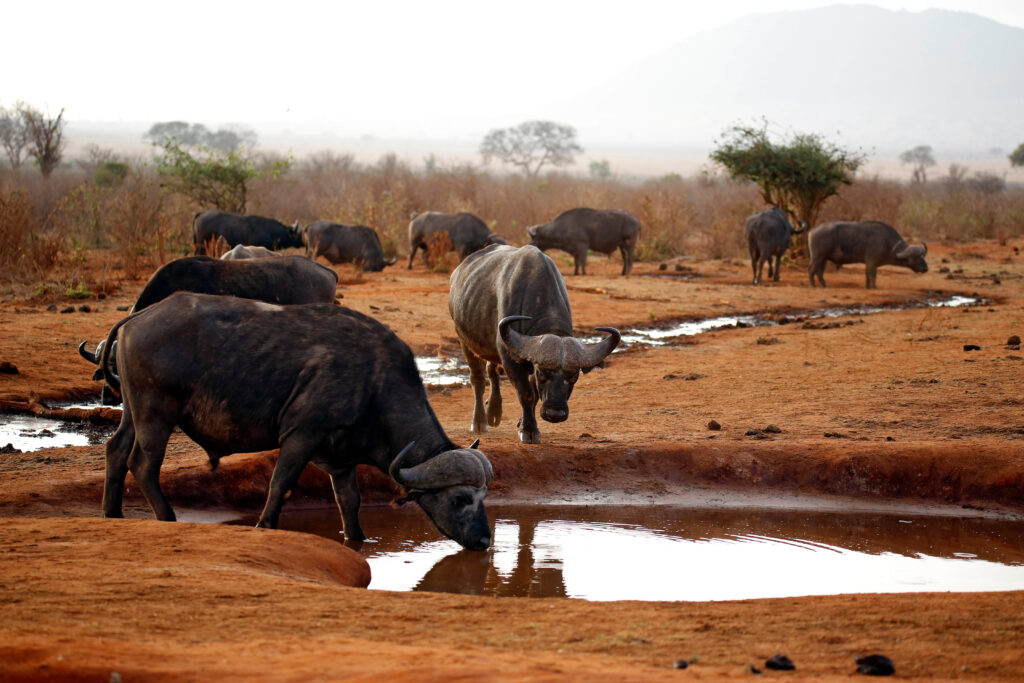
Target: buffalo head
108,396
450,488
557,363
911,256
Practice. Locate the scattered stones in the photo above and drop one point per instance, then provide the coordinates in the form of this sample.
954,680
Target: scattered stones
84,308
681,664
8,368
101,296
944,269
68,309
756,433
690,377
679,268
772,429
836,435
779,663
753,669
889,438
875,665
9,449
1014,340
123,308
52,307
768,341
662,266
714,425
972,347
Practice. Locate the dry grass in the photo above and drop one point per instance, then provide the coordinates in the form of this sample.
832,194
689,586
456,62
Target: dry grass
45,226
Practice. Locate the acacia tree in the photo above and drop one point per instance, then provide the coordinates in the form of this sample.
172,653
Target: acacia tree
14,136
531,145
1017,156
210,177
228,139
797,175
46,138
921,157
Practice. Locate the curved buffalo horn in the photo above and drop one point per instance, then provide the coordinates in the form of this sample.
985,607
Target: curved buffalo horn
513,340
393,261
475,444
450,468
89,356
925,248
602,349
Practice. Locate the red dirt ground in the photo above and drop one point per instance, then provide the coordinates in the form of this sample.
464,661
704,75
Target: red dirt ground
922,425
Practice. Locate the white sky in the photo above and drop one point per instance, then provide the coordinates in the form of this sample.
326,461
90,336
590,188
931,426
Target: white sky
426,68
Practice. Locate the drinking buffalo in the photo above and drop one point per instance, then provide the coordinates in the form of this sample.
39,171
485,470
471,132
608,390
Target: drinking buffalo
237,229
465,232
240,251
580,230
768,234
345,244
282,280
323,383
869,242
511,308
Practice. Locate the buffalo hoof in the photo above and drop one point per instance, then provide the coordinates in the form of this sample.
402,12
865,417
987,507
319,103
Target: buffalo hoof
494,420
529,437
478,428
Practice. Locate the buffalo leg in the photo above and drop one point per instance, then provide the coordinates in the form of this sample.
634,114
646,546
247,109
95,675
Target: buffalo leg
119,446
476,380
753,262
145,460
816,269
519,377
581,258
295,453
494,398
778,264
870,274
346,493
412,254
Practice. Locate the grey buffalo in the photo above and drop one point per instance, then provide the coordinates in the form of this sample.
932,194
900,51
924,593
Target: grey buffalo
466,233
282,280
240,251
872,243
511,308
580,230
235,229
323,383
345,244
768,234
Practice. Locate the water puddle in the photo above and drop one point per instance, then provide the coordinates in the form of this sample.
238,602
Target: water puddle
659,336
33,433
669,553
442,372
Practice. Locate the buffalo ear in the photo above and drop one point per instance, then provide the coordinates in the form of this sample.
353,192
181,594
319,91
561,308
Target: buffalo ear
98,374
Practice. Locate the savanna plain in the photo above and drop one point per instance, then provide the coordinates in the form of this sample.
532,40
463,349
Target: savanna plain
886,411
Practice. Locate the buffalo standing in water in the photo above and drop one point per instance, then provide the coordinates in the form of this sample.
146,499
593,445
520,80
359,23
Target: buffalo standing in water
580,230
323,383
511,308
872,243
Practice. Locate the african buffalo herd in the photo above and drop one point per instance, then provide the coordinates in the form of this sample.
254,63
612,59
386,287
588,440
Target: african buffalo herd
251,351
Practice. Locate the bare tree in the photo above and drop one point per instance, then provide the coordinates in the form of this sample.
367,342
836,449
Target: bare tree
46,136
13,135
921,157
531,145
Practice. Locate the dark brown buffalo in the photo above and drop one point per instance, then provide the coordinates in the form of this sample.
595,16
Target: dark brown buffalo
872,243
466,233
323,383
768,235
340,243
235,229
511,308
579,230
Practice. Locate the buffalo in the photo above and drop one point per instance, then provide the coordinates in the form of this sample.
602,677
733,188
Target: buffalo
466,233
237,229
768,234
240,251
872,243
323,383
345,244
282,280
579,230
511,308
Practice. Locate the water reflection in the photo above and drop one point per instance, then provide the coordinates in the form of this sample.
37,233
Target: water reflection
666,553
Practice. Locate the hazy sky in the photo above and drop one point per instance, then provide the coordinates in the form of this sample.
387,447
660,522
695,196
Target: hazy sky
437,68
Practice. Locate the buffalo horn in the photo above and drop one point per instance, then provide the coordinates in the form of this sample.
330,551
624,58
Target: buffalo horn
925,248
553,351
602,349
90,356
393,261
450,468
